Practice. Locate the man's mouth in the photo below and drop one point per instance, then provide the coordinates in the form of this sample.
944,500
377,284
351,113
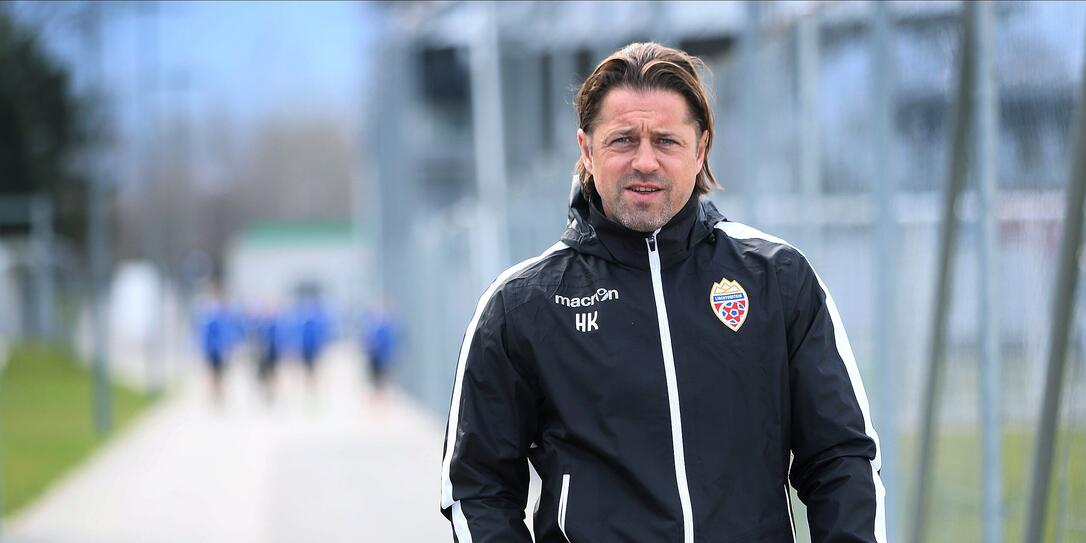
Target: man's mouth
644,189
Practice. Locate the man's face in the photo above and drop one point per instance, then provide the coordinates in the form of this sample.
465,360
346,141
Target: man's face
644,154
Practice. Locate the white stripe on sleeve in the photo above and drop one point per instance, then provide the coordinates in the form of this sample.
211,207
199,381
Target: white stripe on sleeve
460,524
844,349
459,521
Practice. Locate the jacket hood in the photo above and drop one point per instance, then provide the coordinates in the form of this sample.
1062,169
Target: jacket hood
589,231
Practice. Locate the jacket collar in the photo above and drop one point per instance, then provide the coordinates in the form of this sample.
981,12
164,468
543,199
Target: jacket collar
591,232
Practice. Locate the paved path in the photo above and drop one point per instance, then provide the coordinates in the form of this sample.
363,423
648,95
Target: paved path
324,465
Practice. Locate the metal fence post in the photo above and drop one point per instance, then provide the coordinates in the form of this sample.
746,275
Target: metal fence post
98,245
490,246
752,114
808,48
1062,308
948,241
1,465
984,136
883,174
41,234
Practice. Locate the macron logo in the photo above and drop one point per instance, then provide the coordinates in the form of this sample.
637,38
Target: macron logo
601,295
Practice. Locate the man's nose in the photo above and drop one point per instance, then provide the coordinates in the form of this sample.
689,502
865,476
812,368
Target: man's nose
645,158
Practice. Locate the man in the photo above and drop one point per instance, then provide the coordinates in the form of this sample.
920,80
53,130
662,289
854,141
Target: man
379,337
217,328
660,366
268,328
313,329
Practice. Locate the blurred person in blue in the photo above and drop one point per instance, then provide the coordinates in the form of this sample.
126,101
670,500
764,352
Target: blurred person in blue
667,372
217,327
379,336
312,332
269,335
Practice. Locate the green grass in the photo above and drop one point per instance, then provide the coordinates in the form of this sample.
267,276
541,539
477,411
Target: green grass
956,509
955,513
46,420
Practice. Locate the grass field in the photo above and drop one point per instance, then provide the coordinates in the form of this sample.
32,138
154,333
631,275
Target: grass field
956,500
46,420
956,510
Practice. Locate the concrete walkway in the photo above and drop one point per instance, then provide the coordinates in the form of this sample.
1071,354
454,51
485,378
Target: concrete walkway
331,464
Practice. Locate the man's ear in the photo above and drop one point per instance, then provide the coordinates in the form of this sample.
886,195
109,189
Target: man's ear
584,141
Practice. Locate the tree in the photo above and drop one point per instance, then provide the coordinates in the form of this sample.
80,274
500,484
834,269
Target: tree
42,127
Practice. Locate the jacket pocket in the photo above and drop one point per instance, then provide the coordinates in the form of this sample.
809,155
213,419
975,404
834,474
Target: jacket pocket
563,504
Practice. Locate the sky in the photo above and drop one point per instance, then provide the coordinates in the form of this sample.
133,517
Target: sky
250,61
260,58
253,61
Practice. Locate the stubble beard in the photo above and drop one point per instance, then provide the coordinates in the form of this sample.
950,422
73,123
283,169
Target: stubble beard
646,218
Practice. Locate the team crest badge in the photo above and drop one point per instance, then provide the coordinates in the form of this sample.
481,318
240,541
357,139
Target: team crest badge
730,303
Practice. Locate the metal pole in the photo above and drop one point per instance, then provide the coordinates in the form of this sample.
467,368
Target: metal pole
886,281
1064,455
372,241
41,228
155,348
947,247
367,189
99,251
984,138
749,51
563,76
810,161
1062,307
660,28
12,211
389,152
99,277
489,135
2,363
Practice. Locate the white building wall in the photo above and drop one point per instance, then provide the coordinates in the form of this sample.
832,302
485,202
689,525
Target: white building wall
261,274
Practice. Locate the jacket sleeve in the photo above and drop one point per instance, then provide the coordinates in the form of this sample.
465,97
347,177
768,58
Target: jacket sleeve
491,420
836,460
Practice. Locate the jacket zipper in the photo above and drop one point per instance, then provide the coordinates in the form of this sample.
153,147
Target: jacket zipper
672,389
563,501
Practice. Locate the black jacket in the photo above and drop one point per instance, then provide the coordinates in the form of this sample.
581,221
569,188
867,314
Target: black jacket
660,385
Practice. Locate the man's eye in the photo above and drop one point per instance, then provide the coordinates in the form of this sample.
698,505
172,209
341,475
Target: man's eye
667,141
621,140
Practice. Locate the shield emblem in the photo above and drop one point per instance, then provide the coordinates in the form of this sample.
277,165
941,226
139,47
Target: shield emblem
730,303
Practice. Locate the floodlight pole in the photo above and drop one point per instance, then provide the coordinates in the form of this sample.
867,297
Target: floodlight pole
948,241
1062,317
